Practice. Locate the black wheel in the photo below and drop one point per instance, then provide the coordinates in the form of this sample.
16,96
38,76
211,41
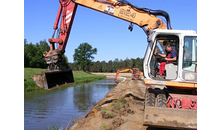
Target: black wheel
150,99
161,100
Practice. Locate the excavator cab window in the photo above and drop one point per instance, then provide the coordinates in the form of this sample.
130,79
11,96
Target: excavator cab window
160,68
190,53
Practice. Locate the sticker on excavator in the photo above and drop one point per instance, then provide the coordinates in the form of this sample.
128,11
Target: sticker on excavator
109,9
51,79
170,118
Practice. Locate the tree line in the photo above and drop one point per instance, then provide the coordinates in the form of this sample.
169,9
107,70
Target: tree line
111,66
82,59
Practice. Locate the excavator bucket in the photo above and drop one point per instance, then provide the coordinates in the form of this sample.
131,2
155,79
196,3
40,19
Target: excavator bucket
170,118
52,79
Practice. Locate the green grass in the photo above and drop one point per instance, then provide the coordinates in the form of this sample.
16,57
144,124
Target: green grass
103,126
29,84
117,105
79,77
52,127
82,77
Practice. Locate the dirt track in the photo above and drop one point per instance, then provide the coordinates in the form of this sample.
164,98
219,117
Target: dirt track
121,108
113,74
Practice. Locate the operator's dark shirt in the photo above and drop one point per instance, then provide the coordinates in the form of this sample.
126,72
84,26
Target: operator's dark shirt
173,54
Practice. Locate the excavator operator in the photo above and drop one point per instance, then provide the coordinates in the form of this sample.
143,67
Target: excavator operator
171,56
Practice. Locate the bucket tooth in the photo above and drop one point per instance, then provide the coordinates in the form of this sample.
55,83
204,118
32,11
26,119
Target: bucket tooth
51,79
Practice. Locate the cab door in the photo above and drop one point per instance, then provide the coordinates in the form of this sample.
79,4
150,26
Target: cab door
189,64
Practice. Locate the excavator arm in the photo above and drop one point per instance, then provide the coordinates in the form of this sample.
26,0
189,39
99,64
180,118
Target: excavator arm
57,75
122,9
135,73
121,71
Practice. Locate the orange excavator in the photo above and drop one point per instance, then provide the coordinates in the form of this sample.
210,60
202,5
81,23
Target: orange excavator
56,75
135,73
171,92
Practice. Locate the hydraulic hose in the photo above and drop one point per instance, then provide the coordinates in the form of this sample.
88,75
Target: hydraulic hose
147,10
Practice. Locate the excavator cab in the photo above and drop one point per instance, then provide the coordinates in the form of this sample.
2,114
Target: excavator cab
160,68
171,94
184,44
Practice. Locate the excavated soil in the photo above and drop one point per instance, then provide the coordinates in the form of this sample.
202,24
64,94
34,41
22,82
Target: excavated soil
121,109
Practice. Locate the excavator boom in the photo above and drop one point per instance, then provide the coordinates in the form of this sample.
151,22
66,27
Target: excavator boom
124,10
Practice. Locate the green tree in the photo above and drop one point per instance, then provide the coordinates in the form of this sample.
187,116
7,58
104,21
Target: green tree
29,53
33,55
98,67
104,66
109,66
139,63
25,54
39,61
83,55
115,65
131,63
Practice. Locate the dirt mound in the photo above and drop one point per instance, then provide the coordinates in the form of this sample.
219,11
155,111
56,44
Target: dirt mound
121,108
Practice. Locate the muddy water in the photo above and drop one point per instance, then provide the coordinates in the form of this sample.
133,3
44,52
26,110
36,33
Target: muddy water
57,107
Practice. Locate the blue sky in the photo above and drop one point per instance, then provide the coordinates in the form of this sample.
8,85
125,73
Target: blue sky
108,34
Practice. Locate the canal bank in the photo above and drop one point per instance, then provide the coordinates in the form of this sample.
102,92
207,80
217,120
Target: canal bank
79,77
121,108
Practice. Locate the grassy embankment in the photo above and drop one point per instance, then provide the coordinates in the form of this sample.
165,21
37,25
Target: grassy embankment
79,77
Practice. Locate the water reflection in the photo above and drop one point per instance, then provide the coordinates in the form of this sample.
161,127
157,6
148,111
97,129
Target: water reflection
56,107
83,97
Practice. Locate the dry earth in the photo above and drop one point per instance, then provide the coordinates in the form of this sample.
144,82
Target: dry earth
121,109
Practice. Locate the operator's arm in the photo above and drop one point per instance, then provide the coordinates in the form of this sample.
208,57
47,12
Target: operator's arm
170,59
161,55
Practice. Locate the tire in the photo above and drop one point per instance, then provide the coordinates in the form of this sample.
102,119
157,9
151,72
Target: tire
161,100
150,99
